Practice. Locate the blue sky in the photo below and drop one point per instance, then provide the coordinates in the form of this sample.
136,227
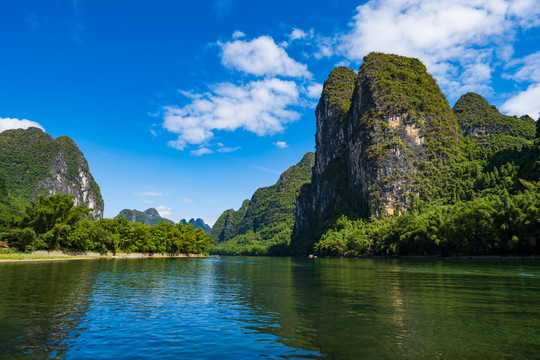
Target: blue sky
189,107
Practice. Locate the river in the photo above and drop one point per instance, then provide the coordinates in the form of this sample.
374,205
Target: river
270,308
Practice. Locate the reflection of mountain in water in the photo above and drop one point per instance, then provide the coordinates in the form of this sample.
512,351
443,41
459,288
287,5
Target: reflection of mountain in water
381,309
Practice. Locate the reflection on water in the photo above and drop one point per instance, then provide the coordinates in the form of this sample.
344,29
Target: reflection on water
272,308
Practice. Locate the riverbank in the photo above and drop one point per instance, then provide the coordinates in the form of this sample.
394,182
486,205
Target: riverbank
60,255
424,257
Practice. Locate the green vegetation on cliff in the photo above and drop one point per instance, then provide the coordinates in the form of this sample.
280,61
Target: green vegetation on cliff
339,87
398,85
263,225
477,118
149,217
488,204
430,190
33,163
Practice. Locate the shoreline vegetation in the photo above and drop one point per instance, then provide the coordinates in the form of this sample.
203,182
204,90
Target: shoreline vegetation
54,223
72,255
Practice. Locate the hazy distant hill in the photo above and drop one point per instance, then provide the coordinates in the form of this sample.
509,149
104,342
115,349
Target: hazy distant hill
199,223
148,217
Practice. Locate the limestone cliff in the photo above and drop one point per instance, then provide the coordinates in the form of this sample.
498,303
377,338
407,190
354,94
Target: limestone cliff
33,163
378,134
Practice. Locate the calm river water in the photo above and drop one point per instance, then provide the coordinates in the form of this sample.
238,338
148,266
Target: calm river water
270,308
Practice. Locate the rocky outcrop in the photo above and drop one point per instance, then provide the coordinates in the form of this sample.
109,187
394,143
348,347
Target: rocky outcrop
148,217
377,134
69,174
33,163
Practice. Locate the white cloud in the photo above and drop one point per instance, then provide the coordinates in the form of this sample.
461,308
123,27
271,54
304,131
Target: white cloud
164,211
238,34
11,123
297,34
528,68
227,149
188,201
201,151
281,144
148,202
261,107
150,193
526,102
450,36
261,56
314,91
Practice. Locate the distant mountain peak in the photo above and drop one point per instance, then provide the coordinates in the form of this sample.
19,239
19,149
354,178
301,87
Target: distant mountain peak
148,217
197,224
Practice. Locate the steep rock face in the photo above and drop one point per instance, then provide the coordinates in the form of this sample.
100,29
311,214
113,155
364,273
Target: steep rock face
369,154
270,210
34,163
148,217
477,118
197,224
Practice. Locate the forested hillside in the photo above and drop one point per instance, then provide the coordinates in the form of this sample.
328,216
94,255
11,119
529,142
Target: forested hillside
263,225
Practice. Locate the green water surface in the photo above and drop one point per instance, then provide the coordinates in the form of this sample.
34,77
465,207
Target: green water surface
270,308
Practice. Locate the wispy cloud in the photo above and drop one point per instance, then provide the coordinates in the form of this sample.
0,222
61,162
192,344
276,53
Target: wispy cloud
227,149
188,201
150,202
201,151
297,34
150,193
12,123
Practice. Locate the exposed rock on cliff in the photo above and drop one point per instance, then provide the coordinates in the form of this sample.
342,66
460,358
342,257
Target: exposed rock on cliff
271,209
378,134
33,163
148,217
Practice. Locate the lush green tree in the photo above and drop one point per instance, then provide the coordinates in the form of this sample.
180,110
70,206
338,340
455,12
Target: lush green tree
50,218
